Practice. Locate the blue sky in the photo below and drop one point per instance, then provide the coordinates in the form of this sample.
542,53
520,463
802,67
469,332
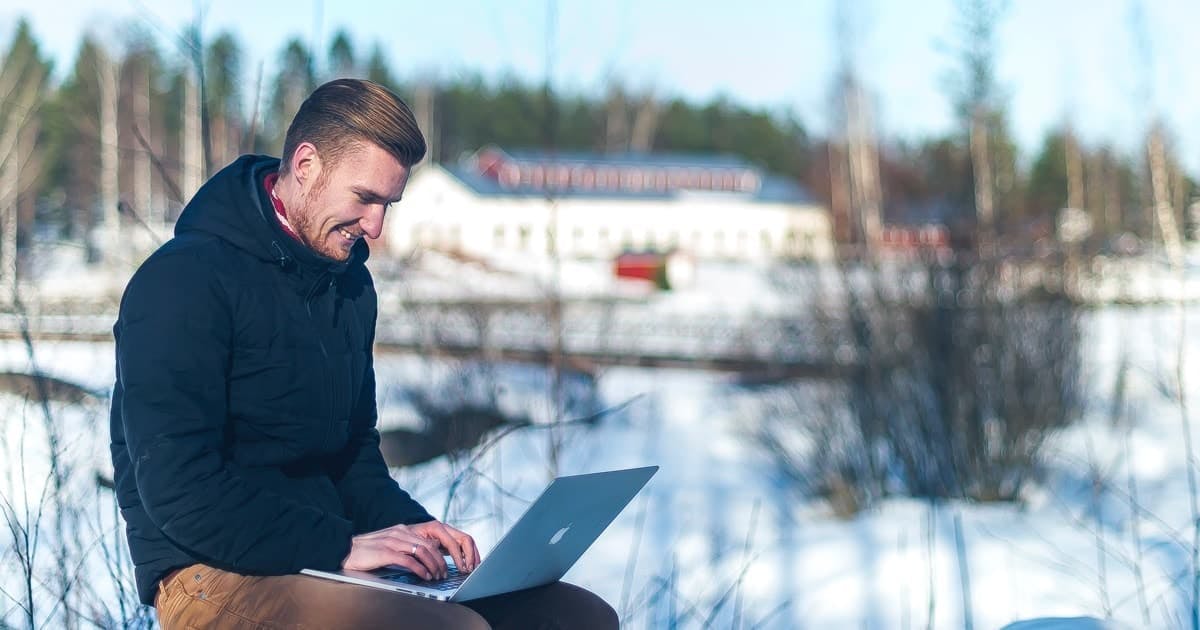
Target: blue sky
1057,59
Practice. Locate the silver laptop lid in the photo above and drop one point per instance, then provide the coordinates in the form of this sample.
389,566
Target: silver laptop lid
553,533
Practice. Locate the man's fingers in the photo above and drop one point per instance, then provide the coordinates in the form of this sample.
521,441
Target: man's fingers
433,559
412,564
461,547
403,546
472,552
466,544
465,556
440,534
428,555
432,564
452,547
457,544
476,559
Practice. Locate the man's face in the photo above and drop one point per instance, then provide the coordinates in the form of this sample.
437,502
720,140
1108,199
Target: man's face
348,199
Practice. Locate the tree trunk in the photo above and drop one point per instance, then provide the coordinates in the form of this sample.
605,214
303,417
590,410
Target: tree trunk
645,125
423,111
1159,185
109,155
9,181
981,165
142,176
191,144
865,193
616,126
1074,172
839,196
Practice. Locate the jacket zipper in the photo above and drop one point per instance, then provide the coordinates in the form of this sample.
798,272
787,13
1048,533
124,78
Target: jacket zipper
327,369
308,299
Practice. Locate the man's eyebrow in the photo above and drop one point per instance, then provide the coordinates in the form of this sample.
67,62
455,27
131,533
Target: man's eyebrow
372,195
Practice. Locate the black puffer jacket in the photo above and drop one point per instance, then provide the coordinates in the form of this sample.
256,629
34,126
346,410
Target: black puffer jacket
243,419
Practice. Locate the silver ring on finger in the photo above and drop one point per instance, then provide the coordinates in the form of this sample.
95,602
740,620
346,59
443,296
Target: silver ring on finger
414,551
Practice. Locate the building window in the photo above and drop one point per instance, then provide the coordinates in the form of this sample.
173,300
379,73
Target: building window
612,178
510,176
660,180
498,237
625,177
676,178
632,180
523,238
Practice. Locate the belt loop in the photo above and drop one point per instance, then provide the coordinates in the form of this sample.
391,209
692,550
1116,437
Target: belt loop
166,590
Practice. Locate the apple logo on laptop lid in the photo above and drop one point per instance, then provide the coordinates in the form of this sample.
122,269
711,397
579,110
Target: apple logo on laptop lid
559,534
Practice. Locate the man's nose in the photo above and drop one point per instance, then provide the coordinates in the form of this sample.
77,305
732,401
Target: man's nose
372,222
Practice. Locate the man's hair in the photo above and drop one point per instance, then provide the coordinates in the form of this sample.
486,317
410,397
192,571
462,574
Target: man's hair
344,112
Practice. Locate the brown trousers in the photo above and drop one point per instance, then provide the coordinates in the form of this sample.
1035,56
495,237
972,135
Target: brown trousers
200,596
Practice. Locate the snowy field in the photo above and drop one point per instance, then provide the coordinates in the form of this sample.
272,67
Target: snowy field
717,539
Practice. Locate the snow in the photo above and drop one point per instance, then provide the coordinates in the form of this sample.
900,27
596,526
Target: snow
717,538
1063,623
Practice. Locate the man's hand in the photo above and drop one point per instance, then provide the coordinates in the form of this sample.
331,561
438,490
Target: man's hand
457,544
417,548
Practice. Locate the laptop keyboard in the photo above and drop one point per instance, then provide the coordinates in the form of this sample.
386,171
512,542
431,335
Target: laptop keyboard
453,580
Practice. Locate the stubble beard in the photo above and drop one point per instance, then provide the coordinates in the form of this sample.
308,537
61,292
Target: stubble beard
303,223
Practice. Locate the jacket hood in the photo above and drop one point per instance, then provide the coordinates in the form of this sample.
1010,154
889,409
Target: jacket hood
233,206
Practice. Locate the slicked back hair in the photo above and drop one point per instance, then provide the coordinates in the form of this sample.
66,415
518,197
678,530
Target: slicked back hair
345,112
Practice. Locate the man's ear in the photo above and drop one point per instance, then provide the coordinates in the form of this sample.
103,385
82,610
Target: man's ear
306,164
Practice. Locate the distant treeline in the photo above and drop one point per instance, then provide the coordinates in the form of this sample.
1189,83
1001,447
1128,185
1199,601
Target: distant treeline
144,125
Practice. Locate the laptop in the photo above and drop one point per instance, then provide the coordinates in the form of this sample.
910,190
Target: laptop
540,548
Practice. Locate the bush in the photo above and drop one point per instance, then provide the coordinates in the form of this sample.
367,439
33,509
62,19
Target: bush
956,371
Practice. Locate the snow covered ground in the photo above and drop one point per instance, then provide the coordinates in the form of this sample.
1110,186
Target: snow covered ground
717,539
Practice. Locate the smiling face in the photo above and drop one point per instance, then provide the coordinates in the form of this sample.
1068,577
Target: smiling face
346,200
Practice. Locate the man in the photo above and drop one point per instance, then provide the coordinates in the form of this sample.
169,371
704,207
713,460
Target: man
243,418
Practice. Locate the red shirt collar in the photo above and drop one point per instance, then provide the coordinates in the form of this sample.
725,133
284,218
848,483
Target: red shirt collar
280,211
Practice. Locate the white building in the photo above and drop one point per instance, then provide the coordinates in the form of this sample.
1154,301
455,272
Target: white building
594,206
